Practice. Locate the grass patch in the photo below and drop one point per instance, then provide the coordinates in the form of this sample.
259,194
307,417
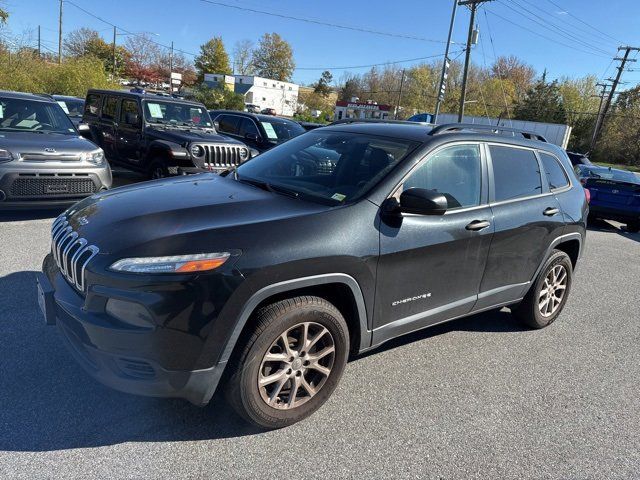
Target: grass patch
631,168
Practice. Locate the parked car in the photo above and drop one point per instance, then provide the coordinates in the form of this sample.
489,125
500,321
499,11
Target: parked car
311,125
261,132
579,158
251,108
43,161
159,135
269,111
615,194
268,277
72,106
421,117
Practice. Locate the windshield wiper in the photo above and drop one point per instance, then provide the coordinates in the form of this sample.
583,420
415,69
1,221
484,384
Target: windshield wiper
268,186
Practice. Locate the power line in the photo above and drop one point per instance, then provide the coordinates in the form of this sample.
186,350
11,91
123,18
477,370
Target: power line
493,48
553,28
323,23
572,47
127,31
353,67
583,22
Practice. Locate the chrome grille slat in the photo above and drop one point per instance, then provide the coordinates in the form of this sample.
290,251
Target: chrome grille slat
68,249
222,155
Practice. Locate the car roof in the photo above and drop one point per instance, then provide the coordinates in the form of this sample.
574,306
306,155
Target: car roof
27,96
67,97
256,116
144,96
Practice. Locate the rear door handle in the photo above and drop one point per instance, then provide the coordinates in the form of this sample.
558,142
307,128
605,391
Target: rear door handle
550,212
478,225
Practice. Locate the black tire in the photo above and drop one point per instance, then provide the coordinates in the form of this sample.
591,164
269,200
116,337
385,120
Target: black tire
270,323
633,227
157,169
529,310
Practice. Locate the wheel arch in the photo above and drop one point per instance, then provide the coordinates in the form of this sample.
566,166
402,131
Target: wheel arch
570,243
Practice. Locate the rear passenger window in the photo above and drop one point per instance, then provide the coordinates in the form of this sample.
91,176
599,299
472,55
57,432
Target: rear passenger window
92,105
455,172
555,173
109,108
516,173
228,123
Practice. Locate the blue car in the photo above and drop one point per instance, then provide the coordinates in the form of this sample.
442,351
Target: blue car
615,194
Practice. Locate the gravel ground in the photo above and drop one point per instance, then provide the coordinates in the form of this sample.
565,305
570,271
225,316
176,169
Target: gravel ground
476,398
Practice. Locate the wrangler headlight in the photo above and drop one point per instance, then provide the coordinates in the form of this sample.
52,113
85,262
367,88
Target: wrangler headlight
197,150
199,262
96,157
5,156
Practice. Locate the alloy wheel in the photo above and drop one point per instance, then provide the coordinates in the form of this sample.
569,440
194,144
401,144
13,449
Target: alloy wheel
296,365
553,290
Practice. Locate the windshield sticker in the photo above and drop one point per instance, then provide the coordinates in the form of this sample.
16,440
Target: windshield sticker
1,112
338,196
64,107
155,110
271,133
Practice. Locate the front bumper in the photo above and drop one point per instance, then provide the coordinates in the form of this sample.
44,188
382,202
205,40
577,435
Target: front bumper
35,185
116,354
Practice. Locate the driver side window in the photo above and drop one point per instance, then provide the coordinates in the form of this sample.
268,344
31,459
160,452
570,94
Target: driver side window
455,172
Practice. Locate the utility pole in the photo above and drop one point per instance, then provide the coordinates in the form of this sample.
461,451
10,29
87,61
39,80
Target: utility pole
171,68
473,5
400,94
113,52
60,34
445,64
39,49
616,81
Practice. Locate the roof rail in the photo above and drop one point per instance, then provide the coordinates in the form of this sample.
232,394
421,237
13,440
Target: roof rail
496,129
375,120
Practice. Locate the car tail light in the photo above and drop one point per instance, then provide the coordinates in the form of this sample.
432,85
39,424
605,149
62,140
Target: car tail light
587,194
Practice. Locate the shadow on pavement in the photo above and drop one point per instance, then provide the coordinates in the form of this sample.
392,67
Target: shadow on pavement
47,402
599,225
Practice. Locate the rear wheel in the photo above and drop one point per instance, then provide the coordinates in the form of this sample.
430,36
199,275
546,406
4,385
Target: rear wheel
548,295
292,362
633,227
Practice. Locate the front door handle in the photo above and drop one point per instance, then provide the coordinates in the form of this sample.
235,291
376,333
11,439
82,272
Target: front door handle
478,225
550,212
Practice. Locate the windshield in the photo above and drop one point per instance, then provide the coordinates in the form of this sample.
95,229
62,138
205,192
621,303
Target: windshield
73,108
24,115
174,113
329,166
279,131
605,173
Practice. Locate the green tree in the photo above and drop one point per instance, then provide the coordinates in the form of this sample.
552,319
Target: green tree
213,58
350,88
218,98
542,103
323,86
273,58
619,142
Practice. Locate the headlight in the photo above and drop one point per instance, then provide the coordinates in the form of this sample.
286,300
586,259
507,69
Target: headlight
200,262
96,157
244,153
197,150
5,156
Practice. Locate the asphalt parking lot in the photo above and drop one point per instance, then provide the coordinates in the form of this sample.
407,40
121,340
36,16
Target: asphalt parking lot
476,398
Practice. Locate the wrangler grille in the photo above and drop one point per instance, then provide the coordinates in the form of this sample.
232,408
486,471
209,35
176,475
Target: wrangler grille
224,156
71,253
51,186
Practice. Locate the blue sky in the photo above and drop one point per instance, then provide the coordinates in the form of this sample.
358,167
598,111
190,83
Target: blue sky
188,23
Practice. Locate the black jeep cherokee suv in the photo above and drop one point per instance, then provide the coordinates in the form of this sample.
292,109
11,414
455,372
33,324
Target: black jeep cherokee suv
161,292
158,135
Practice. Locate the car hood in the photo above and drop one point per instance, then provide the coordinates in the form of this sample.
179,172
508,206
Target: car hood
188,136
178,215
29,142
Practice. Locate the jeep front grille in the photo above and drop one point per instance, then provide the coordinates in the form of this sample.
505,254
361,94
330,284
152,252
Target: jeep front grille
224,156
71,253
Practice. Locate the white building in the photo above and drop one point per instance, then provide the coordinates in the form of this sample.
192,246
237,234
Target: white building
259,91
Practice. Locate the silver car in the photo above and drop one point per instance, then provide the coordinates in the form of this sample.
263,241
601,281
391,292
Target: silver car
43,159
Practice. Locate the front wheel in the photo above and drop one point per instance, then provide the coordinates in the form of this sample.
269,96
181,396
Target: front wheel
292,362
548,295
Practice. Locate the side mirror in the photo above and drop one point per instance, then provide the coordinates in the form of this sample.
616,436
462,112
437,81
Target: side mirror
254,137
132,119
423,202
253,153
216,125
84,130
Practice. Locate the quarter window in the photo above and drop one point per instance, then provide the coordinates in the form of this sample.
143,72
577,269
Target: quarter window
555,173
228,124
247,126
128,106
453,171
516,173
92,106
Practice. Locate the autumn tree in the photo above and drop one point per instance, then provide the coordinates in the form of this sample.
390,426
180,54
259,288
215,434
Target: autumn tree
213,58
144,58
273,58
520,74
243,57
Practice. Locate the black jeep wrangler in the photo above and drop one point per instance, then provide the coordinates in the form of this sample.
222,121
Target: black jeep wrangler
304,265
158,135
